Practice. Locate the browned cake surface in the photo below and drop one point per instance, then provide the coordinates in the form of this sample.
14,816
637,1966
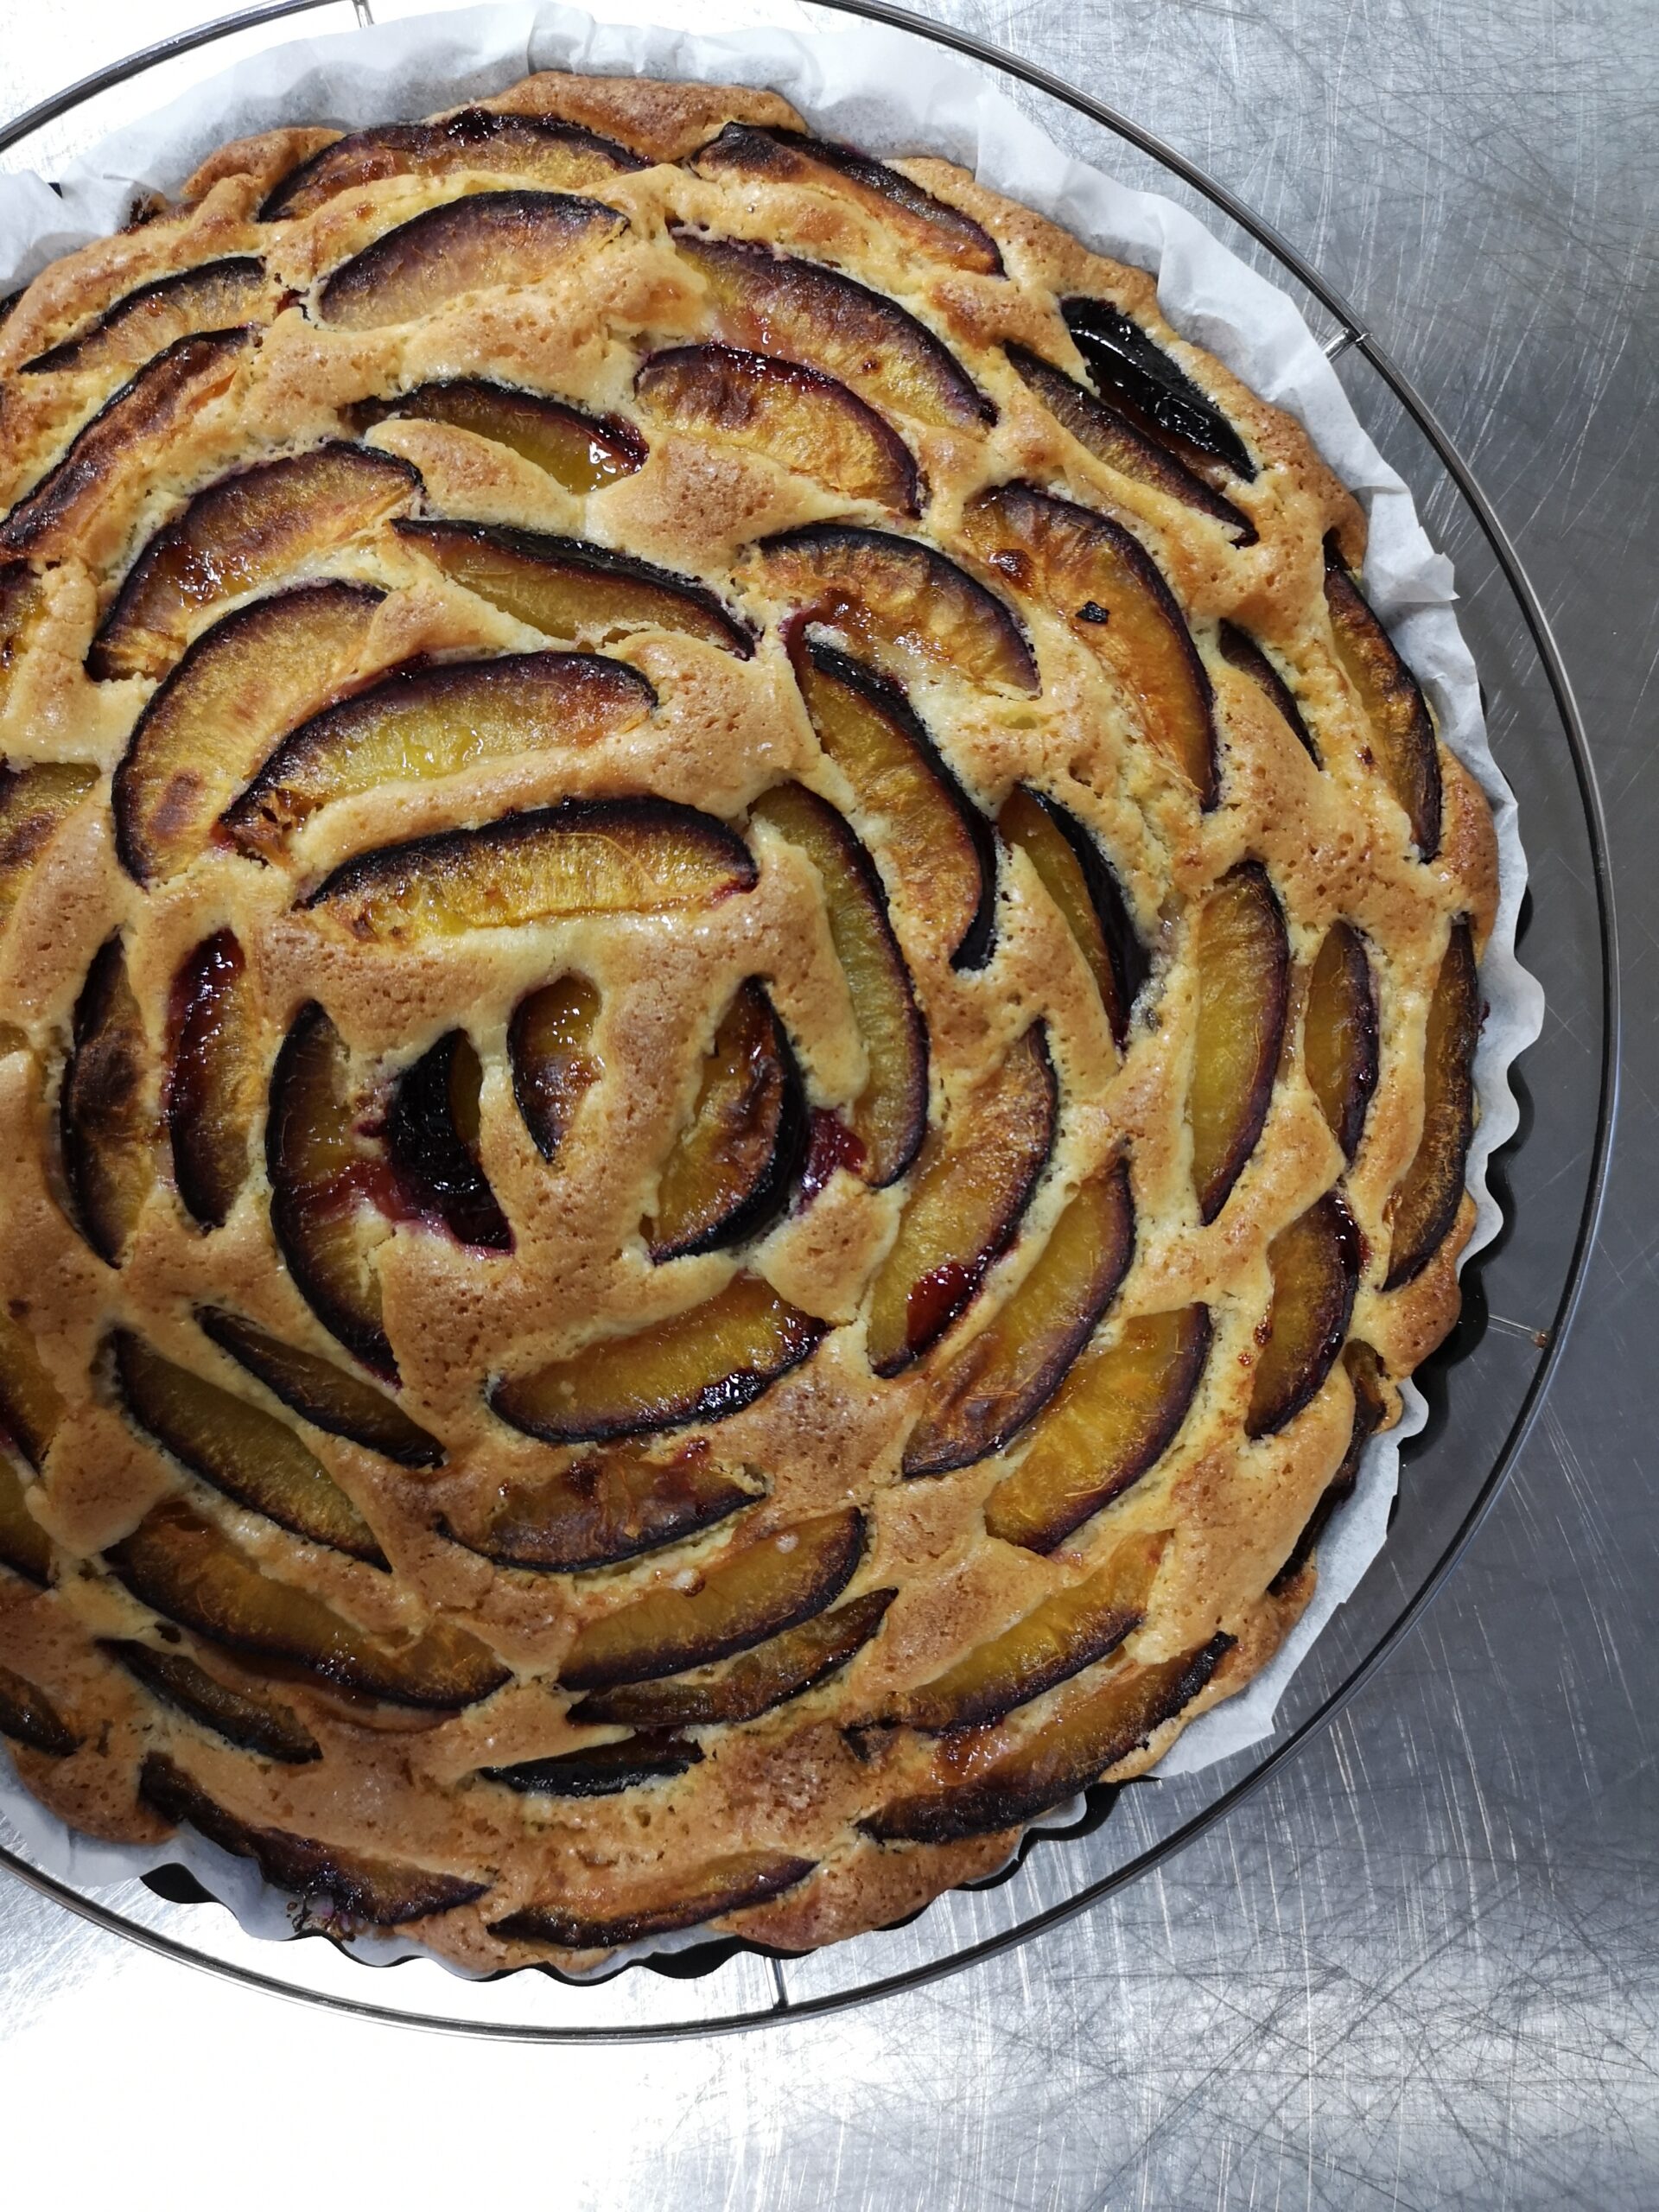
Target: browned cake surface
738,996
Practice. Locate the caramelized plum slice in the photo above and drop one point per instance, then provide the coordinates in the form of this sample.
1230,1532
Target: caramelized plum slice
925,225
246,1453
1315,1267
1122,357
25,1548
252,1724
883,590
605,1508
599,1769
1073,870
247,530
941,845
1058,1759
1112,1419
1068,1631
1007,1373
795,416
579,451
30,1404
755,1592
325,1395
107,1126
187,1570
890,1116
1402,734
973,1183
215,296
1370,1409
34,802
1111,436
539,148
252,676
344,1884
488,241
216,1082
1111,592
159,401
432,1133
29,1718
701,1365
567,589
732,1168
22,602
782,1668
1425,1205
1339,1047
1243,977
716,1888
766,302
1245,654
321,1175
550,1044
587,856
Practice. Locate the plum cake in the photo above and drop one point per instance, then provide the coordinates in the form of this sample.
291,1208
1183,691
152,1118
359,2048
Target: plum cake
737,1003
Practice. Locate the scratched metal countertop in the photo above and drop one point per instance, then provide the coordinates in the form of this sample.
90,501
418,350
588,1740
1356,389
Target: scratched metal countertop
1420,1966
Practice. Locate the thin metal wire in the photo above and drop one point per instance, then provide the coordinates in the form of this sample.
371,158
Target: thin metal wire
1350,333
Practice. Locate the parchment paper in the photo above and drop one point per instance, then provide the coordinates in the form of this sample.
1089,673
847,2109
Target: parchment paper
891,93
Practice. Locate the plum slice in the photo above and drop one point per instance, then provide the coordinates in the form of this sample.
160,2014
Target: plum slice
1340,1037
794,414
754,1591
733,1166
1396,714
538,149
241,1449
432,1133
1068,1631
487,241
1006,1375
567,589
1370,1409
1074,871
604,1508
215,1083
252,1724
883,590
973,1183
1121,356
579,451
1315,1267
333,1884
703,1364
215,296
25,1548
783,1667
587,856
550,1045
733,1884
889,1118
321,1393
932,227
106,1121
1111,592
1111,1421
248,529
1113,437
1241,651
188,1571
941,845
1424,1204
31,1404
1243,957
158,402
767,302
29,1718
34,802
251,676
1059,1758
599,1769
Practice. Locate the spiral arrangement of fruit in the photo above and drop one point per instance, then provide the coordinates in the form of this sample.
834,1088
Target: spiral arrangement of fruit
739,998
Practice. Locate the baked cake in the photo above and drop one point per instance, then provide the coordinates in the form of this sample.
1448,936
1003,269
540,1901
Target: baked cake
739,998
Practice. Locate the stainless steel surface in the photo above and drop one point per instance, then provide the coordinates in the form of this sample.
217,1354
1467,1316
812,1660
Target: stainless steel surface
1419,1967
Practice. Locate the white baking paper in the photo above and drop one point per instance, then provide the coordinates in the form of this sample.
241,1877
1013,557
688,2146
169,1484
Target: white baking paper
892,94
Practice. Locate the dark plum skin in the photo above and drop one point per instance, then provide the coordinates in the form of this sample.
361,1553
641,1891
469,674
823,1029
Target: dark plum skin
1121,355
